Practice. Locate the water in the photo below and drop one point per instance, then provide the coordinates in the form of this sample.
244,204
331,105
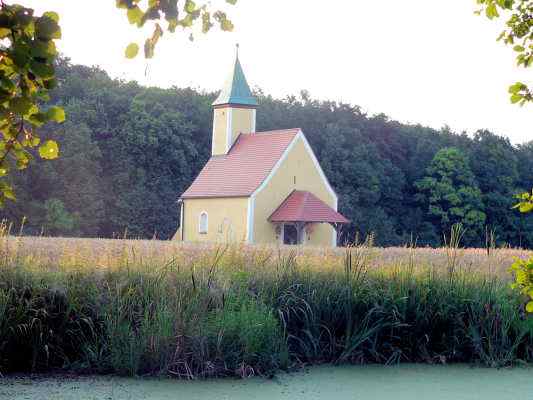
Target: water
406,382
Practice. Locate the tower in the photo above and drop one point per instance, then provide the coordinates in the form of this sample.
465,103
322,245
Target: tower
234,111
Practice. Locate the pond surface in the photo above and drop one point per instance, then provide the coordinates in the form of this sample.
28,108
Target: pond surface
406,382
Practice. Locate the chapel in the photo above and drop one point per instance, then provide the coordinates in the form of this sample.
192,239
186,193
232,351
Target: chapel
257,187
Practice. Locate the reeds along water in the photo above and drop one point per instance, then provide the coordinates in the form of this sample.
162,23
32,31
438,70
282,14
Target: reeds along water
141,307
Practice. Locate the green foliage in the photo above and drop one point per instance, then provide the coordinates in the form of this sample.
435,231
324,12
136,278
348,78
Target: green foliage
518,34
244,333
185,14
450,193
523,269
57,218
525,203
27,74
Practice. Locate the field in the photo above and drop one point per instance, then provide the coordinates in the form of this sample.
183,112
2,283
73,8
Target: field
163,308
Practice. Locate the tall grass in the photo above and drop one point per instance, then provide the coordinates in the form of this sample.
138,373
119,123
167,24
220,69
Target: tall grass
243,312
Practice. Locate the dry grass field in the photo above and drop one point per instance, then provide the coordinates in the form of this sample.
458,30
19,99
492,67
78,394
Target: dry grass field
137,307
64,253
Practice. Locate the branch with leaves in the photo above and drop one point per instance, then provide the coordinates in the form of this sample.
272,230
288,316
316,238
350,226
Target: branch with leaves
523,269
173,14
27,56
518,33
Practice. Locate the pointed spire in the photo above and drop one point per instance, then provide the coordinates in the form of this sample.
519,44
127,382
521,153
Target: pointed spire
236,90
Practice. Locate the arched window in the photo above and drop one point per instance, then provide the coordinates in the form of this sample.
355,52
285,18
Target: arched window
203,222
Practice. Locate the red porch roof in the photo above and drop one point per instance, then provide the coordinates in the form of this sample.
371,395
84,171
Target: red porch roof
302,206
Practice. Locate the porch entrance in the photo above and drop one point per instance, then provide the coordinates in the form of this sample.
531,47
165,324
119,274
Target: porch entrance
290,234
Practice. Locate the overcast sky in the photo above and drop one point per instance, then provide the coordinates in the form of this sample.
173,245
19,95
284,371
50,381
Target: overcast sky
420,61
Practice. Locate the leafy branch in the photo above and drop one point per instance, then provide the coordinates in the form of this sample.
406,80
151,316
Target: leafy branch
518,33
523,269
175,13
27,74
27,56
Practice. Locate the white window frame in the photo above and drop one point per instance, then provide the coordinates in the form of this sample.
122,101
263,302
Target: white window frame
202,231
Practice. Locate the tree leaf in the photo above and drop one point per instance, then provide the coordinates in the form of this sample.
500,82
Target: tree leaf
132,50
190,6
42,70
52,15
135,15
49,150
56,114
21,105
47,28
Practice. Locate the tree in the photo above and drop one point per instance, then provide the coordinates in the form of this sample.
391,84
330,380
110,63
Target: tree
495,164
58,220
451,195
518,33
27,70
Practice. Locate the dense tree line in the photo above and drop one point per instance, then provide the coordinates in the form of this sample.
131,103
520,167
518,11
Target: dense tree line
128,151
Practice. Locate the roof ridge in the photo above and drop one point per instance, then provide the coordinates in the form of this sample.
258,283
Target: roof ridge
278,131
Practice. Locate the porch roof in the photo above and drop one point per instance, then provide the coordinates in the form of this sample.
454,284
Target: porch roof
303,206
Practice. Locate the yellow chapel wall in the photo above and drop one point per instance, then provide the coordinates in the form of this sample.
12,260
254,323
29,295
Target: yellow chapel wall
238,120
220,131
297,172
227,219
242,121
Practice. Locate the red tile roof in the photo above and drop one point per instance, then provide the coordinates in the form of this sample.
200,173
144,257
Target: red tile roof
302,206
240,172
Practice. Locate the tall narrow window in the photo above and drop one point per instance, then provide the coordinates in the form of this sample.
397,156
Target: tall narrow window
203,223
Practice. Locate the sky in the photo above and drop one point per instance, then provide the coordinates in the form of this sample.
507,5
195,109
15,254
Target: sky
431,62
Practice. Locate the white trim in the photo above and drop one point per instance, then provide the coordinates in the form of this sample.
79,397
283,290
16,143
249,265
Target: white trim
182,206
277,165
254,119
333,236
250,221
319,169
200,231
229,128
213,134
334,233
299,135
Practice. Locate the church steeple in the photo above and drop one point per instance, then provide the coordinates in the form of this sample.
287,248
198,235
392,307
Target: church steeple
234,110
236,90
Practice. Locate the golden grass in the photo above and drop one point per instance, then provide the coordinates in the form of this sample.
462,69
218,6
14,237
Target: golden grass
64,253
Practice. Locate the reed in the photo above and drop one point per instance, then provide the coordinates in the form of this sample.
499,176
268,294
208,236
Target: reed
127,307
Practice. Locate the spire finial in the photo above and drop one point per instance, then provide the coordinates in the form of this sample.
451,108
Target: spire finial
237,49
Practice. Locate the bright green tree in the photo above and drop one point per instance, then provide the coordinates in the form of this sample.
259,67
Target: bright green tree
451,195
518,33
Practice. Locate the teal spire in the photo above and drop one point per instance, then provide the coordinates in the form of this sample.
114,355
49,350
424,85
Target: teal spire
236,90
